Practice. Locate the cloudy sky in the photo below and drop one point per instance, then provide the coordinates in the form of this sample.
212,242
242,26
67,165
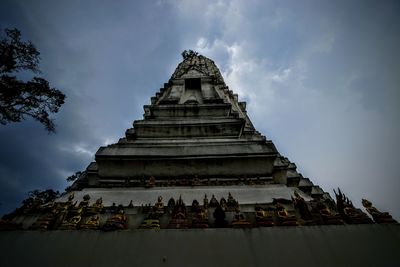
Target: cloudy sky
321,79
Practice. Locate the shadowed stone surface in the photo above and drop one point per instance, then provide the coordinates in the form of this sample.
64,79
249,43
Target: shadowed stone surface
350,245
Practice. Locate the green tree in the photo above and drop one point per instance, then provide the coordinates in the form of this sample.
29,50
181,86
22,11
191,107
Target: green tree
18,99
33,203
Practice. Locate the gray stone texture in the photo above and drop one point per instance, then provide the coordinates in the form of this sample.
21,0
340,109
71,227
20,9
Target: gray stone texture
350,245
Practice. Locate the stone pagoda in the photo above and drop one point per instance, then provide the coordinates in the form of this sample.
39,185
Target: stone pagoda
195,161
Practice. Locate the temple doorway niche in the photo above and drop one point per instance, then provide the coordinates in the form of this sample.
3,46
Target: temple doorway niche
192,94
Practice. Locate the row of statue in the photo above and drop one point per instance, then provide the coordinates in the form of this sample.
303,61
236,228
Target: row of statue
72,215
195,181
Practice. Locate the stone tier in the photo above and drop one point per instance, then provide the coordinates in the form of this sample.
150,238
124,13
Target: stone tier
178,158
188,111
186,128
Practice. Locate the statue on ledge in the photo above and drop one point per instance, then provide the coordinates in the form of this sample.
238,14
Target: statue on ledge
284,217
239,221
71,224
93,223
151,221
379,217
219,216
196,181
232,204
200,218
264,217
151,182
301,205
213,202
222,203
179,215
171,205
327,216
205,202
348,212
117,221
195,206
95,208
159,206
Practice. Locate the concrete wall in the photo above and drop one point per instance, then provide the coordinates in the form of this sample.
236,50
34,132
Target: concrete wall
350,245
214,166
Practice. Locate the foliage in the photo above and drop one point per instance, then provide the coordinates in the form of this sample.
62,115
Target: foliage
75,176
35,199
189,53
36,196
18,98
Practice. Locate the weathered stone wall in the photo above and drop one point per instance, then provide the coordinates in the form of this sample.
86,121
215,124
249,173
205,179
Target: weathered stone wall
350,245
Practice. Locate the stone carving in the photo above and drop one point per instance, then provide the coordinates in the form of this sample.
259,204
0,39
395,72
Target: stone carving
239,221
205,201
93,223
222,203
151,182
301,205
179,215
189,53
326,215
284,218
71,223
159,206
264,217
150,223
213,202
232,204
379,217
348,212
95,208
195,205
171,205
117,222
200,218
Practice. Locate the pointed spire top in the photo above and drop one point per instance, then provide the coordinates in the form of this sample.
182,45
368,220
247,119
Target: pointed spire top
192,60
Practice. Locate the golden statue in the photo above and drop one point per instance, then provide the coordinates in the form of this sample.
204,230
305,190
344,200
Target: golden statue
179,215
263,217
116,222
284,217
328,217
71,224
151,182
92,223
200,218
205,202
70,198
95,208
150,224
239,221
301,205
232,204
159,206
85,202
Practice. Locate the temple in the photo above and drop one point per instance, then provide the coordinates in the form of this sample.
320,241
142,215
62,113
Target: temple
195,161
